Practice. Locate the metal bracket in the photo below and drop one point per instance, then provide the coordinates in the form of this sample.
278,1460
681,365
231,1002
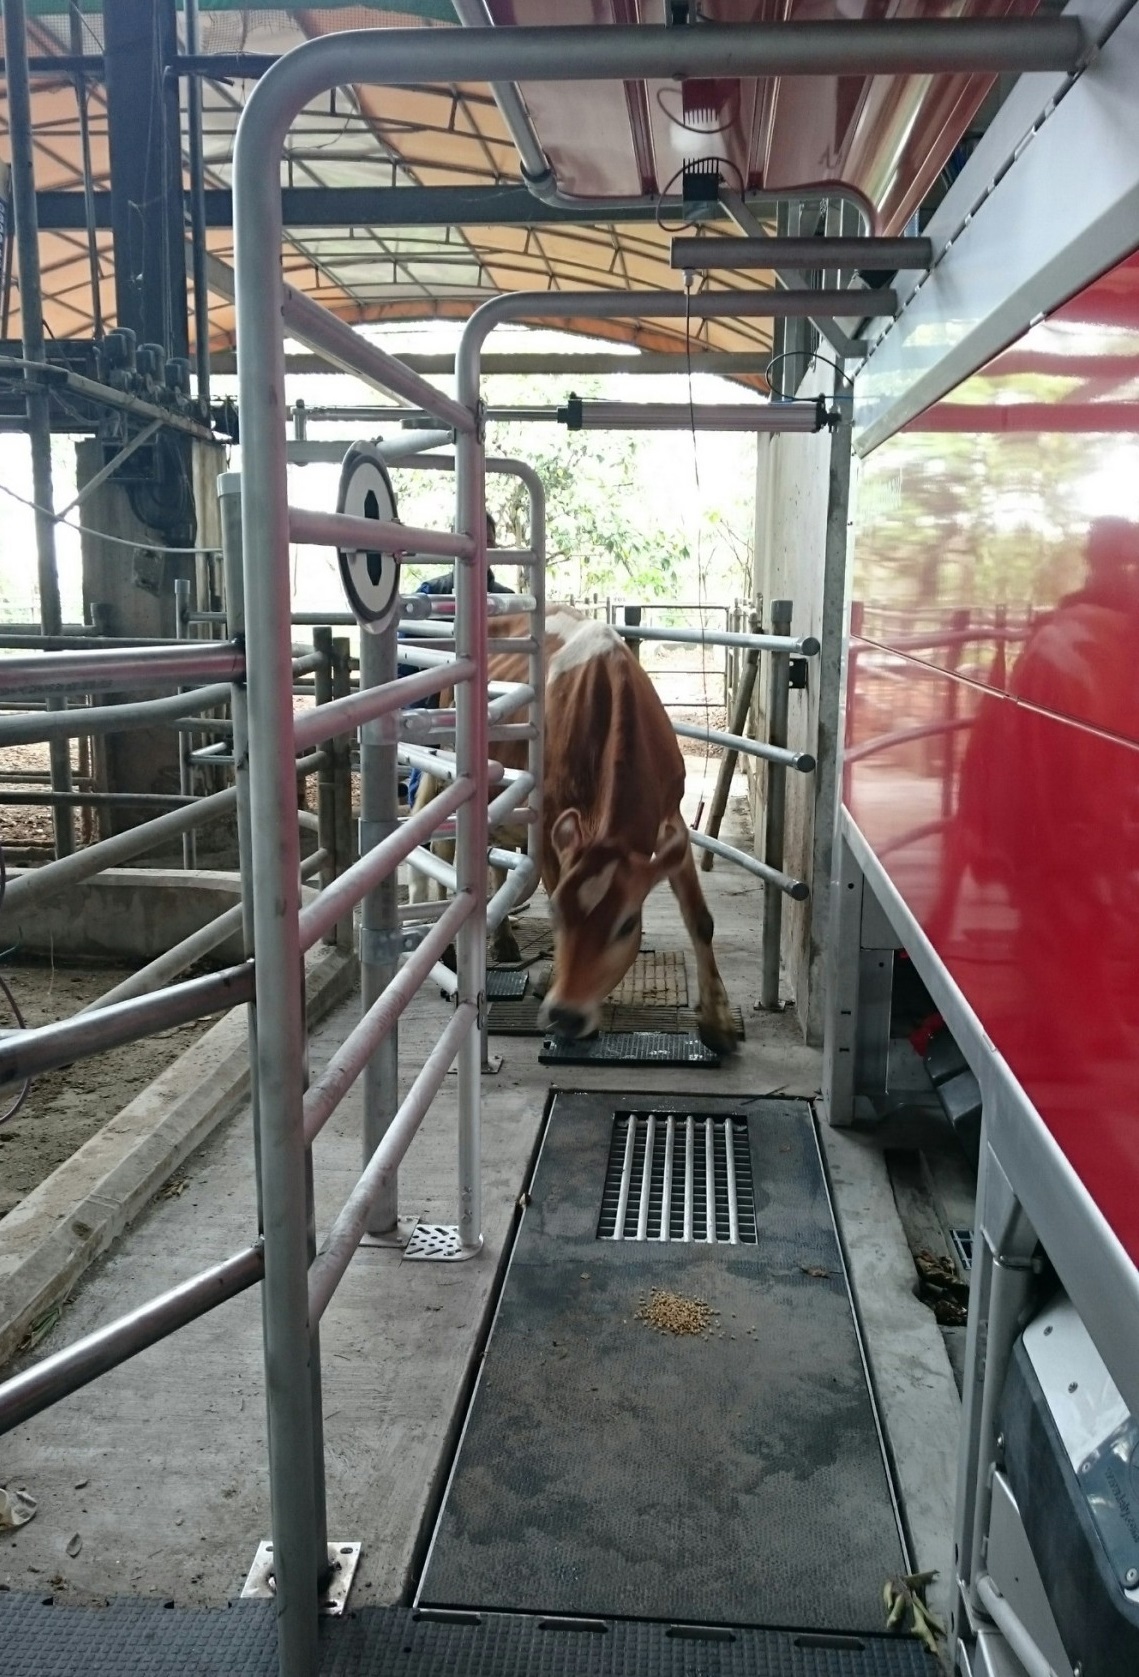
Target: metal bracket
343,1559
380,949
797,675
395,1238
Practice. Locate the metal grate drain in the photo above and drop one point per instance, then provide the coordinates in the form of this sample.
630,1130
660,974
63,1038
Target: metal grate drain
661,1166
963,1247
436,1243
502,984
628,1048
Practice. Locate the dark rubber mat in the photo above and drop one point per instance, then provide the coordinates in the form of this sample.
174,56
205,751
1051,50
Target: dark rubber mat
131,1638
731,1476
628,1048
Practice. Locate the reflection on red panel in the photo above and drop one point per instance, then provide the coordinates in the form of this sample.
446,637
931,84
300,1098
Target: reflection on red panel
993,712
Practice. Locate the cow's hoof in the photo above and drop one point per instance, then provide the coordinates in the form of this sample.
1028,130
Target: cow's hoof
718,1034
504,950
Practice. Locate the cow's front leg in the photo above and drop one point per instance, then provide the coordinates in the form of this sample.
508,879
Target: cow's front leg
713,1010
504,950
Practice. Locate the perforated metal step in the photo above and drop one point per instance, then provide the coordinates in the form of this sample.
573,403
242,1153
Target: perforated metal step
629,1048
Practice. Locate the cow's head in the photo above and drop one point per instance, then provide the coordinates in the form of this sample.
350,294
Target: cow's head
596,914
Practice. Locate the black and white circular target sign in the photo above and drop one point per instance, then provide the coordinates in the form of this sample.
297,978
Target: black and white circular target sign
371,579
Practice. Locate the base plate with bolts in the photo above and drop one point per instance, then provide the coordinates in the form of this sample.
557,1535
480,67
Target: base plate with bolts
343,1559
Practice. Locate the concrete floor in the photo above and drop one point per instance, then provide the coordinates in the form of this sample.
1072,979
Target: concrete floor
159,1469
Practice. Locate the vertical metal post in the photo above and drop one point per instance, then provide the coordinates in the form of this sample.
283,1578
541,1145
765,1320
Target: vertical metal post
143,136
341,748
727,769
780,682
185,739
229,506
326,778
471,835
379,922
36,397
198,210
75,30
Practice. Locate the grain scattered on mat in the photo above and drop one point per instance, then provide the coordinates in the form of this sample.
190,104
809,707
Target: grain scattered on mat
673,1313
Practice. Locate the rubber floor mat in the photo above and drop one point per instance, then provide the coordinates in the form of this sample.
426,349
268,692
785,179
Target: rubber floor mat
133,1638
728,1475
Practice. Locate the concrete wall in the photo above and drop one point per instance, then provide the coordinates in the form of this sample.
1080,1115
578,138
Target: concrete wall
130,914
800,555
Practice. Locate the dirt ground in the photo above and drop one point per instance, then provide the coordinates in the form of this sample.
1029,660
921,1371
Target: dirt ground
64,1108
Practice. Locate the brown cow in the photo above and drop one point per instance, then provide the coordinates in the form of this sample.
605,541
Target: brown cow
612,827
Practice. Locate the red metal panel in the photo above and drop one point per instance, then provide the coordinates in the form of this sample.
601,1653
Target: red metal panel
887,136
993,713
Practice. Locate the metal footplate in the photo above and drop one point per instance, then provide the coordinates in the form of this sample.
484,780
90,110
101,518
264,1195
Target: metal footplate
343,1559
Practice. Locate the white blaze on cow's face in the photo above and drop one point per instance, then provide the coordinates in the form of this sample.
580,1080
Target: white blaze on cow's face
596,914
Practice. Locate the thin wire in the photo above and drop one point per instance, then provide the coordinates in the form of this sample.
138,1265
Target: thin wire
12,1003
809,355
99,535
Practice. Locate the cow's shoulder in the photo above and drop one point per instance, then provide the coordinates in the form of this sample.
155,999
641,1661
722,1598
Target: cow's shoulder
579,641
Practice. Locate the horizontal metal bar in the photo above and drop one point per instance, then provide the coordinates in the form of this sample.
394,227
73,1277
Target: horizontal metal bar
803,646
497,605
98,800
508,800
346,1065
367,705
769,417
372,535
796,888
801,760
443,765
67,1371
813,255
54,673
520,884
345,348
433,867
344,1236
25,1054
350,887
30,727
39,884
507,703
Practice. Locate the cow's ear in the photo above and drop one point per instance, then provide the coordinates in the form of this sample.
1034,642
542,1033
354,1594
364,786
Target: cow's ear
671,847
566,835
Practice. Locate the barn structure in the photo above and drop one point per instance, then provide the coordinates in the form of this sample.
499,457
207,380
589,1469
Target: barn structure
424,1246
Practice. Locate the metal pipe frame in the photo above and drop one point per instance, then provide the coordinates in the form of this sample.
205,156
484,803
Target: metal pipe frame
812,254
36,400
367,535
28,727
779,676
53,673
25,1054
378,1022
264,311
785,882
700,416
801,760
798,646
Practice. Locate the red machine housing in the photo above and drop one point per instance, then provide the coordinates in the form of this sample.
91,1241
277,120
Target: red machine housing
992,739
